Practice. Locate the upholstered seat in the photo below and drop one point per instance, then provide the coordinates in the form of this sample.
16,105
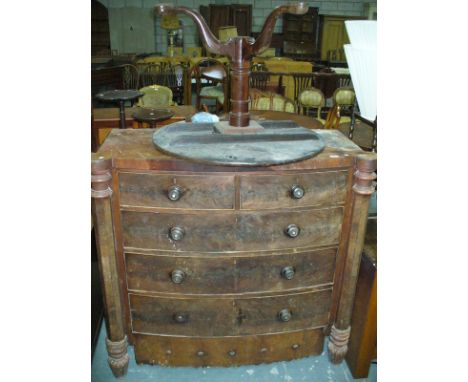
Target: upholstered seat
344,99
213,91
155,96
311,98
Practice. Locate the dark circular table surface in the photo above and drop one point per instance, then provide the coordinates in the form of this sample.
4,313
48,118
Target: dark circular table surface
280,142
144,114
119,95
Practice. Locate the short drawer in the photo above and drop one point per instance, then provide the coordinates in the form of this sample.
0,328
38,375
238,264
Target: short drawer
230,316
317,189
234,274
240,231
186,191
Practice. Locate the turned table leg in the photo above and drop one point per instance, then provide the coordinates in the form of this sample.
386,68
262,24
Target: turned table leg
116,341
122,114
363,187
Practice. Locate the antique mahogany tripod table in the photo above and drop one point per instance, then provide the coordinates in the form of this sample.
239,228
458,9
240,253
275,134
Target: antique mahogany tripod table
120,96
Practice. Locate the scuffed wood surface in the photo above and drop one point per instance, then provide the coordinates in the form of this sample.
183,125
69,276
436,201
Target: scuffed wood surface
198,191
240,231
255,349
228,274
213,316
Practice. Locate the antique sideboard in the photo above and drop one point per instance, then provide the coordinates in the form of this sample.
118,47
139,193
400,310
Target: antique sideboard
219,265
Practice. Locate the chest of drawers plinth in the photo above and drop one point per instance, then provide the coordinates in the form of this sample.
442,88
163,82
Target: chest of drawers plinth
216,265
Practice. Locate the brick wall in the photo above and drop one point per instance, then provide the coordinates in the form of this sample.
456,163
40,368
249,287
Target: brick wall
260,9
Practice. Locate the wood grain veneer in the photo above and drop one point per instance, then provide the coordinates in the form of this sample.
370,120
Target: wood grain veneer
226,309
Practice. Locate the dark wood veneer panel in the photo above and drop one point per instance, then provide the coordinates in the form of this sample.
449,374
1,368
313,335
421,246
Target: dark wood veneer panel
152,273
322,189
232,231
183,351
198,191
212,317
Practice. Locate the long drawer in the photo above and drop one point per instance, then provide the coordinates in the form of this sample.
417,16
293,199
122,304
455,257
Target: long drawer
316,189
213,316
227,351
240,231
229,274
193,191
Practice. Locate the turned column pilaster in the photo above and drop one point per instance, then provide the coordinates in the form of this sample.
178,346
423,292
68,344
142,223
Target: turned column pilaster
101,193
363,187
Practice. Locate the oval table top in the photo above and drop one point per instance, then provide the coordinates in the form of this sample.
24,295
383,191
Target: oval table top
119,95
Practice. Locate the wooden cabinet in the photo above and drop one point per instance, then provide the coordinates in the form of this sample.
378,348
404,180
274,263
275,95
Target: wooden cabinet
223,265
239,15
100,35
334,36
300,34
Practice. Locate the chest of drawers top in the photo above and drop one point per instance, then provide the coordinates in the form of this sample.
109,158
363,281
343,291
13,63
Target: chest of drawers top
133,149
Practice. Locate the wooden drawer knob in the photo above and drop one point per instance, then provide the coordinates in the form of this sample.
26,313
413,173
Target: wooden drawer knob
181,318
177,276
174,193
297,192
292,230
176,233
284,315
287,273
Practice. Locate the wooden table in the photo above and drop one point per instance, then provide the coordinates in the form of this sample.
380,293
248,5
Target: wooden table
119,96
106,119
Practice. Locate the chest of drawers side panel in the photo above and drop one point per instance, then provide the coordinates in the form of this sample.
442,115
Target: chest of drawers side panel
119,253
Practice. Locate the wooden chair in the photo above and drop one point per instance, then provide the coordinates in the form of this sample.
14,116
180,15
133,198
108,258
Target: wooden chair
301,82
333,118
270,101
259,77
130,77
216,90
155,96
311,98
153,74
344,98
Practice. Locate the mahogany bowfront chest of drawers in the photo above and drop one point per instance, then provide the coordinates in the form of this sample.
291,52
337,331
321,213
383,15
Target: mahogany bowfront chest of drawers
219,265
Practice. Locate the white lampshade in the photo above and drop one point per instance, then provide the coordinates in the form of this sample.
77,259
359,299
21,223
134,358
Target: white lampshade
361,55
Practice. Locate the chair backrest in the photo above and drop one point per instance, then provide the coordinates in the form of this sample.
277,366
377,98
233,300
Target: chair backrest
259,78
301,81
196,73
344,97
155,96
311,98
154,74
130,77
270,101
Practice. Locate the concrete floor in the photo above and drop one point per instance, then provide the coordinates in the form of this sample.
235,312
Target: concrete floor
313,369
